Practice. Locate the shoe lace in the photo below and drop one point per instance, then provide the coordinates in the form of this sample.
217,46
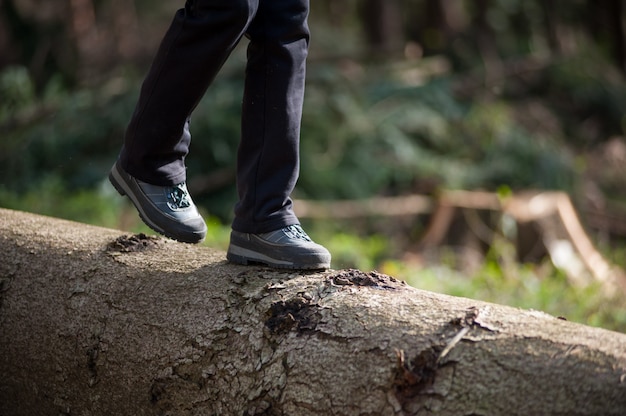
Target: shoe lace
178,196
296,232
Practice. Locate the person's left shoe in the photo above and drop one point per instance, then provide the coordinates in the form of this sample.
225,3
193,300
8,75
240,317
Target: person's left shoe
168,210
287,248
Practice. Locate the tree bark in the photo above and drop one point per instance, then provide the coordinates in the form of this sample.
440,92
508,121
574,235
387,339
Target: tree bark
94,322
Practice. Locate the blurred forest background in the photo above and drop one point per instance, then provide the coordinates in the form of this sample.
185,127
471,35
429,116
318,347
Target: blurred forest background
404,97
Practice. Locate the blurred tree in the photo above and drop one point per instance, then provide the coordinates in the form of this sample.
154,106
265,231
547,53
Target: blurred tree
606,25
382,25
335,11
79,40
36,37
83,40
7,55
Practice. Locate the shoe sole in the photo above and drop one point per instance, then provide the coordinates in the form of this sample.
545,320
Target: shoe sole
243,251
246,257
122,187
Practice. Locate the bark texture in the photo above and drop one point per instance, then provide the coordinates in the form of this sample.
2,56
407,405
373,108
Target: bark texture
95,322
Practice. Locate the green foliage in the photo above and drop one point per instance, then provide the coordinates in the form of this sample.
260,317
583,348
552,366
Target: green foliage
374,133
589,96
380,136
50,197
67,135
16,89
510,156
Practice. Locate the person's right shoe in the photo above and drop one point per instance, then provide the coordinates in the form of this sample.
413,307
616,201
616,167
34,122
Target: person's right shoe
168,210
287,248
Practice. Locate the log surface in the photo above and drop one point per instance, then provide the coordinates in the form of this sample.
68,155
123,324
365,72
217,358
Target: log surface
96,322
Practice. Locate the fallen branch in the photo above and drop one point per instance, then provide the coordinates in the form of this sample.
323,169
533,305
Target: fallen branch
378,206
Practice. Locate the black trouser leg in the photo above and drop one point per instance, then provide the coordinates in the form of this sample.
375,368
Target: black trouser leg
268,157
200,38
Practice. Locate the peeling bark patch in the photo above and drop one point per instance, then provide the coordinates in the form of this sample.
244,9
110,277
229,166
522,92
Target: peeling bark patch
298,314
352,277
461,327
5,283
473,318
413,376
133,243
92,362
157,391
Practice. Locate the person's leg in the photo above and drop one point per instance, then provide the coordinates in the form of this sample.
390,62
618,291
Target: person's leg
268,158
265,229
200,38
151,166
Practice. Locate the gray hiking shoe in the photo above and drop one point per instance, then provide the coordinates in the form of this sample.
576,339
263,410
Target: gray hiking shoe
168,210
286,248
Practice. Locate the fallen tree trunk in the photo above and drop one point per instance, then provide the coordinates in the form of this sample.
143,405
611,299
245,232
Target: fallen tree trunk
93,322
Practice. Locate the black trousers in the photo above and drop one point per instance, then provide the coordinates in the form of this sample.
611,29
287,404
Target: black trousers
198,42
